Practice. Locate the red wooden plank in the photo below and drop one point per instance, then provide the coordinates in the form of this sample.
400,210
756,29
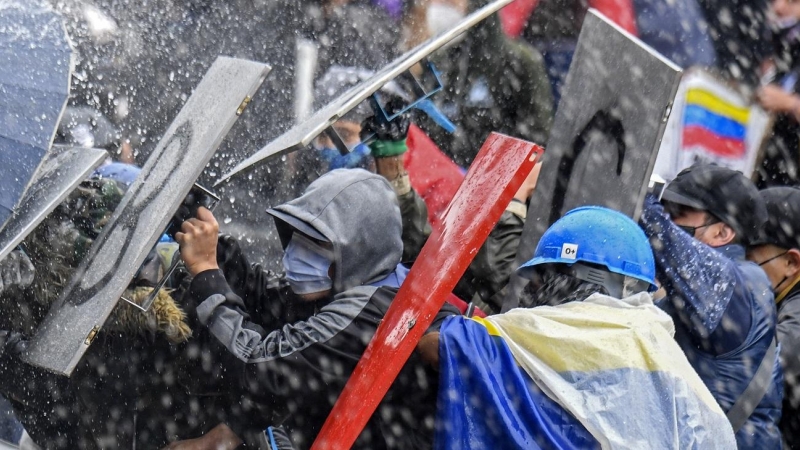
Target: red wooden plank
497,172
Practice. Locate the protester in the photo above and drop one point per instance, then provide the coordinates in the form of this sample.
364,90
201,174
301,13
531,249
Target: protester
722,305
491,83
780,97
778,253
675,29
384,153
573,382
737,29
343,247
487,274
553,29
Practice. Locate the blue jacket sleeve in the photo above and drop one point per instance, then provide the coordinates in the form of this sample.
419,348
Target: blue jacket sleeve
700,282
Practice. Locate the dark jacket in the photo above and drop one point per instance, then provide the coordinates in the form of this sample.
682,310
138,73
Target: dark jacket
737,28
782,150
491,83
492,267
789,338
725,319
290,373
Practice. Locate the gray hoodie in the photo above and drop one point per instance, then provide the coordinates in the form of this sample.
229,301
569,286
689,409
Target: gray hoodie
356,211
292,372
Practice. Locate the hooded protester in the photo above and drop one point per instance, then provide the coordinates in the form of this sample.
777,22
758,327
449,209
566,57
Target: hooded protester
722,305
782,98
491,83
293,356
778,253
597,367
383,154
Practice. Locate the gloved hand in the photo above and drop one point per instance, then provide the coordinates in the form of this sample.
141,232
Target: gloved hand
16,270
390,138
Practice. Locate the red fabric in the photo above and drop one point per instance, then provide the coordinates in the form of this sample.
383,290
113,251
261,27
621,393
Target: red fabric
515,16
462,306
618,11
433,175
694,135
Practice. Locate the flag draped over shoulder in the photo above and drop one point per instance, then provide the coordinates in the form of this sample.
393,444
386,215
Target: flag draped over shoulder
599,373
486,401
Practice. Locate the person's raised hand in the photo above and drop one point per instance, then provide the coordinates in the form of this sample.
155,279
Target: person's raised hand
774,99
198,241
389,137
524,192
220,437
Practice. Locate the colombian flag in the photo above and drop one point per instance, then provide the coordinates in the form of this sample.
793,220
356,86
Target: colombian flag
602,373
714,124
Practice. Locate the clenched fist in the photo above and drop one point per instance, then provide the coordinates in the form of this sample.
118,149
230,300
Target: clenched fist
198,240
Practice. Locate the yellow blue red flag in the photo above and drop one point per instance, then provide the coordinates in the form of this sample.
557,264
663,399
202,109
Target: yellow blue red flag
602,373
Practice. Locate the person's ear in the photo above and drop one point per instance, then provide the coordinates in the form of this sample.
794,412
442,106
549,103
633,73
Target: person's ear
792,263
721,234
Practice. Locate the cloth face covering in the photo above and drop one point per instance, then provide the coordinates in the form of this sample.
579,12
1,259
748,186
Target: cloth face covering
306,264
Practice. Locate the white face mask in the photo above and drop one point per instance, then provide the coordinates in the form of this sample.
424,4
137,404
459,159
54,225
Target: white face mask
306,264
442,17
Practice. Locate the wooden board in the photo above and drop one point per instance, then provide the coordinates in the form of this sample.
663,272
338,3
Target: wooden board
143,213
606,133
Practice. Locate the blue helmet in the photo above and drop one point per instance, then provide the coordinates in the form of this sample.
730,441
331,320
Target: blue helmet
596,235
117,171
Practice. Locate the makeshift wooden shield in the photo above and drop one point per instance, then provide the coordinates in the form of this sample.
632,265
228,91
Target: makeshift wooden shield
607,130
142,215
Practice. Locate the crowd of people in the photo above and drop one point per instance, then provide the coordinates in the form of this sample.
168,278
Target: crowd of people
679,330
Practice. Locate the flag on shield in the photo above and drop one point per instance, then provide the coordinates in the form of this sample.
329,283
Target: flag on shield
715,124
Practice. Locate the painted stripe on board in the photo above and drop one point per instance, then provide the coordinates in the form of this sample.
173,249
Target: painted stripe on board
713,103
722,126
713,143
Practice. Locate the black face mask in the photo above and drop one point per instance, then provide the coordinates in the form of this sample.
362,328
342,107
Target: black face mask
775,288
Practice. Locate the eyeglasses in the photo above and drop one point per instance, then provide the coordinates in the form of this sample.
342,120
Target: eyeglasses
693,230
774,257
